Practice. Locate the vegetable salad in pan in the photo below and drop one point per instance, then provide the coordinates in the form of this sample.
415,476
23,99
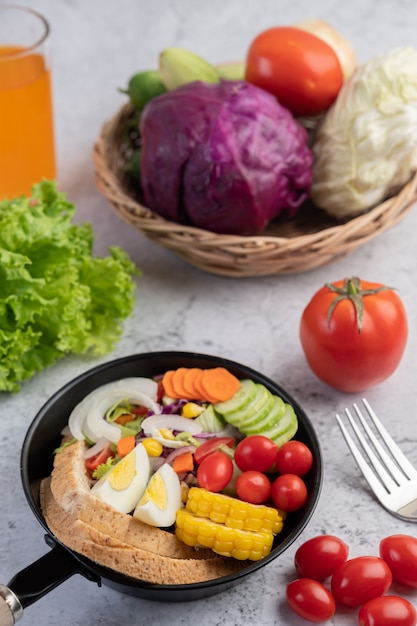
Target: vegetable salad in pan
196,451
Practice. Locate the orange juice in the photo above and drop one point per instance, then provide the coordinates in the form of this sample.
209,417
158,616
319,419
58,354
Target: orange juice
27,153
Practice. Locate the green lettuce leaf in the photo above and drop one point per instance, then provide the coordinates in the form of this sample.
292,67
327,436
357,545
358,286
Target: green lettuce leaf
55,297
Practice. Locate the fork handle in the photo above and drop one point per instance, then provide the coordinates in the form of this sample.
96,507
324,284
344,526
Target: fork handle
409,511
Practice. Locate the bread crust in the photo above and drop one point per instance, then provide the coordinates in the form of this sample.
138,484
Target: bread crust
89,526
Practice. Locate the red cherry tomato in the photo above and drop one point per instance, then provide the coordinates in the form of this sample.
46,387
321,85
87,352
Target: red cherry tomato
212,445
288,492
360,579
320,556
294,457
387,611
310,600
253,487
300,69
255,452
400,554
93,462
349,350
215,471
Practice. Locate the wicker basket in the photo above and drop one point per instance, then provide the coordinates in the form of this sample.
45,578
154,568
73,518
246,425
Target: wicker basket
309,240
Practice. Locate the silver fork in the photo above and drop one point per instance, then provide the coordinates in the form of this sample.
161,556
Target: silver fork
388,472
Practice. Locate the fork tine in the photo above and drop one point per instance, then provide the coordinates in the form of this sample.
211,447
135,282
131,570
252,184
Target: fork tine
393,469
367,472
379,469
402,460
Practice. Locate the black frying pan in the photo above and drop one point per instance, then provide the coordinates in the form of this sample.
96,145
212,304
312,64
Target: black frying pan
43,437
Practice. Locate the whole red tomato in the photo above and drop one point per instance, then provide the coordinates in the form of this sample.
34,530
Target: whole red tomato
310,600
360,579
298,68
354,333
320,556
253,486
387,611
288,492
215,471
400,554
294,457
255,452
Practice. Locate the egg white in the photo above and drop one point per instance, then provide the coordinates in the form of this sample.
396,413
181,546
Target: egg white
124,484
161,499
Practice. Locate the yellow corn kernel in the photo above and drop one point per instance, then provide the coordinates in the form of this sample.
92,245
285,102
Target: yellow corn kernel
191,409
152,446
226,541
166,433
233,512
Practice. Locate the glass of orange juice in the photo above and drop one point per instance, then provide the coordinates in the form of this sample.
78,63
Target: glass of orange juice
27,150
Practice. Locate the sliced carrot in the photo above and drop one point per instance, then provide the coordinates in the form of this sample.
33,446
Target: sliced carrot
183,463
188,383
219,384
167,383
202,395
125,445
125,418
178,383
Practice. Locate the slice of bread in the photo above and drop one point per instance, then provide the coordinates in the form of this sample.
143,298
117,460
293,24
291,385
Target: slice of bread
89,526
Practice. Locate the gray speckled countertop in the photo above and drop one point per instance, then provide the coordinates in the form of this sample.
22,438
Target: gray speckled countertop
97,46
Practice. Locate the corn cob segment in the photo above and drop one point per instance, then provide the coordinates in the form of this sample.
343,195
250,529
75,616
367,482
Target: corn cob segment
239,544
234,513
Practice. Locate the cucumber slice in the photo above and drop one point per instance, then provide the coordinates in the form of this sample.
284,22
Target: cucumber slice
238,402
263,398
285,428
252,421
268,420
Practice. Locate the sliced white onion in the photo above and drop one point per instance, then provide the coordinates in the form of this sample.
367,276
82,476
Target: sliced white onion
168,443
77,421
171,456
171,422
95,421
97,448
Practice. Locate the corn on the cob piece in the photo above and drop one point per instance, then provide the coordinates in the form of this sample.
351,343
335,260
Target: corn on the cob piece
240,544
234,513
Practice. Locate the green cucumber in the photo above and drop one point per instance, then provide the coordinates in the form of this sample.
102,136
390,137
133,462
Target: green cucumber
267,420
284,429
261,400
238,402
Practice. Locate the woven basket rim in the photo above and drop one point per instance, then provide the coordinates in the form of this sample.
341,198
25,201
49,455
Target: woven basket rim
266,254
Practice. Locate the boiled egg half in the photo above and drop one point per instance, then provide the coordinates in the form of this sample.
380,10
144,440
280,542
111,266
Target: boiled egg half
161,500
124,484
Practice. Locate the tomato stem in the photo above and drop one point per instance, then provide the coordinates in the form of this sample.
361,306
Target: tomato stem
352,290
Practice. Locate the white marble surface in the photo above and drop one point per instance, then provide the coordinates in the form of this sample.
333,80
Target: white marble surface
97,46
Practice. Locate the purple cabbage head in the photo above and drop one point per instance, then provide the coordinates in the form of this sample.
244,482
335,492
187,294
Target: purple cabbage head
225,157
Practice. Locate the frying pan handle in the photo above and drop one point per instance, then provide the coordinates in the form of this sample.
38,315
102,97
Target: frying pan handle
38,579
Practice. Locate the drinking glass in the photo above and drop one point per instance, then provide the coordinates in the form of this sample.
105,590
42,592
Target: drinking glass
27,150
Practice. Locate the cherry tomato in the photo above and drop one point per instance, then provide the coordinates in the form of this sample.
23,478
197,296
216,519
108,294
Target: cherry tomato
400,554
253,487
387,611
320,556
212,445
288,492
294,457
349,348
215,471
360,579
310,600
93,462
300,69
255,452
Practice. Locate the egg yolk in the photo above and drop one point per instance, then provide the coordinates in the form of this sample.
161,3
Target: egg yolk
156,491
123,473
